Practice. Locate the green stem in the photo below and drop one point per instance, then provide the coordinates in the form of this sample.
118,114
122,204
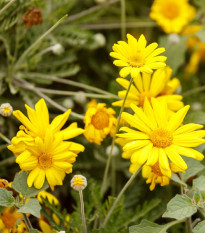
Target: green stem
8,161
189,225
5,138
113,175
173,223
69,82
123,20
27,221
82,211
120,195
6,6
103,187
28,50
193,91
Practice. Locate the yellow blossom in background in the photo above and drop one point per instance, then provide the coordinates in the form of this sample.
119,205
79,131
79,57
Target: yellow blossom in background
159,85
99,122
41,148
8,221
159,138
135,57
51,198
172,15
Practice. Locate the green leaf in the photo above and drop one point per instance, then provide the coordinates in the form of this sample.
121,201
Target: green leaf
176,179
199,228
180,207
33,231
6,198
199,183
31,207
148,227
199,3
194,167
20,185
197,117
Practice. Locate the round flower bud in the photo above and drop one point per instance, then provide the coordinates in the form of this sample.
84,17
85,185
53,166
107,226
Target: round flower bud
80,97
100,39
115,150
78,182
6,110
196,106
57,49
68,103
174,38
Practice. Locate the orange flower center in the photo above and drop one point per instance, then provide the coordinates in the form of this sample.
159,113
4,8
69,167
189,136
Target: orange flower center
156,170
161,138
137,60
45,161
100,120
170,10
142,98
8,220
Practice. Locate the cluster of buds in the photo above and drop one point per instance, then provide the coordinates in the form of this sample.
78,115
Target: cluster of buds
32,17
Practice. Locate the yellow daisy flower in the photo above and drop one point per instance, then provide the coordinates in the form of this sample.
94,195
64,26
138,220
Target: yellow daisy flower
160,138
156,175
99,122
172,15
40,147
8,220
135,57
158,85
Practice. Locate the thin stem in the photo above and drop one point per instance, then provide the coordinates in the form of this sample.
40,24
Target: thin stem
5,138
123,19
69,82
194,91
27,221
189,225
28,50
6,6
120,194
89,11
174,223
82,211
113,140
74,93
113,175
8,161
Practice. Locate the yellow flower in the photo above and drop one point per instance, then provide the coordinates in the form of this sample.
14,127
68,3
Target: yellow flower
172,15
99,122
40,147
79,182
196,58
157,85
8,221
160,138
51,198
135,57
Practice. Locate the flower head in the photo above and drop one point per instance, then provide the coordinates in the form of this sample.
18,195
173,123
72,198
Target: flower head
172,15
4,183
79,182
159,85
99,122
135,57
6,110
41,148
51,198
8,220
160,138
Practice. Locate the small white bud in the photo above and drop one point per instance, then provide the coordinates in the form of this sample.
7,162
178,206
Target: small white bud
174,38
57,49
196,106
115,150
80,97
78,182
6,110
100,39
68,103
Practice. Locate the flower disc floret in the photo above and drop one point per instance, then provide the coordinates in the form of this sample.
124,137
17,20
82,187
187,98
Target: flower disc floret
135,57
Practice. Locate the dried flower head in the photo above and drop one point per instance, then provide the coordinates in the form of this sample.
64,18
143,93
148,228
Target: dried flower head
78,182
32,17
6,110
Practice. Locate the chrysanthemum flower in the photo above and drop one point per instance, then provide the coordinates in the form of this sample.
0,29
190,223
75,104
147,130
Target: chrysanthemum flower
51,198
159,85
99,122
172,15
160,138
135,57
8,220
41,148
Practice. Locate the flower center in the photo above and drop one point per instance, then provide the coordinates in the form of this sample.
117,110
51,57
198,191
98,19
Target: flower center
161,138
142,98
8,220
137,60
100,120
156,170
6,109
170,10
45,161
